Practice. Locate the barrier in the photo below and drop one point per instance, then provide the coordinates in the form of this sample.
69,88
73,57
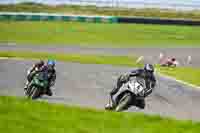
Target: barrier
95,19
55,17
140,20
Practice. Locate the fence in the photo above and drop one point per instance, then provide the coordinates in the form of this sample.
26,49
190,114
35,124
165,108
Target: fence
55,17
95,19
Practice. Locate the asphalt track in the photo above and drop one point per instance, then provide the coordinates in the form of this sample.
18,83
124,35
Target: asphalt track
88,85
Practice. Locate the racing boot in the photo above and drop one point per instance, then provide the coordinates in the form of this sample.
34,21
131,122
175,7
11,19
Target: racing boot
110,105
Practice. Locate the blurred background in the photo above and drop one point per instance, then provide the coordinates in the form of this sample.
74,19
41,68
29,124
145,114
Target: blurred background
172,4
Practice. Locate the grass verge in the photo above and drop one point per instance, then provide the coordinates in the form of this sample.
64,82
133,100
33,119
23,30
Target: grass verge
99,35
84,59
24,116
93,10
192,76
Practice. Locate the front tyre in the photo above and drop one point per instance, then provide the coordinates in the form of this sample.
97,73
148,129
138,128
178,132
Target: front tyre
28,92
124,102
35,93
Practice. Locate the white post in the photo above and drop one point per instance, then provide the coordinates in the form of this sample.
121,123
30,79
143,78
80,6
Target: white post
189,60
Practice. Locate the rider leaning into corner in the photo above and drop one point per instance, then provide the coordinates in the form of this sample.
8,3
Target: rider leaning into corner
147,73
39,66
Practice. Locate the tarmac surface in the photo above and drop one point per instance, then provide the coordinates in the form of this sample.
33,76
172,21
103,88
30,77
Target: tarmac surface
88,85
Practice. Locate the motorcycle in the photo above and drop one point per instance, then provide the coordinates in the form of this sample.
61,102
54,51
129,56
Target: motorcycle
130,94
38,85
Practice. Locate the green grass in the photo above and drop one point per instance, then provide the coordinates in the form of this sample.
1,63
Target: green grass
99,35
92,10
84,59
191,77
25,116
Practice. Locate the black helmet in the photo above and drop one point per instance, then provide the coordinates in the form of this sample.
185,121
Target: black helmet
40,63
149,67
173,59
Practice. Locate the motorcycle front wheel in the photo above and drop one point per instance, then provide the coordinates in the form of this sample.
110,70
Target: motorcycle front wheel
35,93
124,102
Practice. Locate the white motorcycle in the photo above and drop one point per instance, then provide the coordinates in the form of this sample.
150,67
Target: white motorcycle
131,93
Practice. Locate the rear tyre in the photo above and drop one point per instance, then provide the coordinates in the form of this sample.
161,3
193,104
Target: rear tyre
140,103
49,92
124,102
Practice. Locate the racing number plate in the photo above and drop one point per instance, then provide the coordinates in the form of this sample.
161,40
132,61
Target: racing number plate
138,88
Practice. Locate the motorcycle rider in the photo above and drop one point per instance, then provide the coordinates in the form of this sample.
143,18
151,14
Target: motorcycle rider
168,61
49,67
171,62
147,73
32,71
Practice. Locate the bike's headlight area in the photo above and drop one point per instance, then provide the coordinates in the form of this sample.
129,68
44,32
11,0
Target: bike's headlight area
42,84
36,81
39,82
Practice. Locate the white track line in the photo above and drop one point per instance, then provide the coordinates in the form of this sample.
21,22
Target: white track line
4,58
179,81
11,58
16,58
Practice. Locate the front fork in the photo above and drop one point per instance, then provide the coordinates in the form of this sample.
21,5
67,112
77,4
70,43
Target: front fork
111,101
28,87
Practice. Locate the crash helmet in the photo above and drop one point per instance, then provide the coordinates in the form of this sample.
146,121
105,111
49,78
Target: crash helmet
149,68
40,63
51,63
173,59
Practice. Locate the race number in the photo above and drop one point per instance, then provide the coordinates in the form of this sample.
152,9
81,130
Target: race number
138,87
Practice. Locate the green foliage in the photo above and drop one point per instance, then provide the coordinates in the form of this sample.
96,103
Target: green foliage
25,116
85,59
98,35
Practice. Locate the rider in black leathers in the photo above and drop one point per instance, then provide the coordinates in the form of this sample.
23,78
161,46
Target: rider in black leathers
49,67
147,73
